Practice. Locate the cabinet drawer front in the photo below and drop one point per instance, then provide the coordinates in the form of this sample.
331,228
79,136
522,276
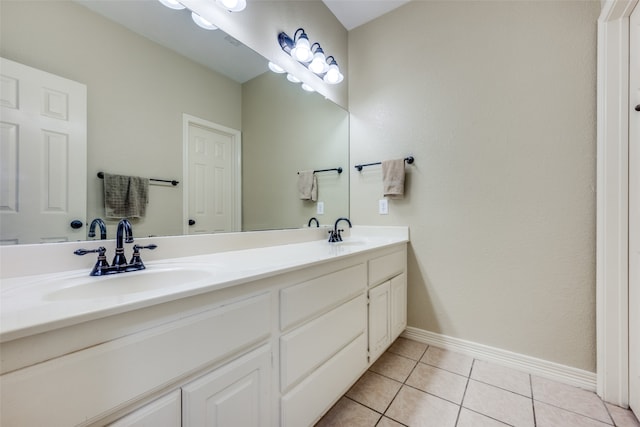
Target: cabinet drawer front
310,399
163,412
83,386
311,298
312,344
387,266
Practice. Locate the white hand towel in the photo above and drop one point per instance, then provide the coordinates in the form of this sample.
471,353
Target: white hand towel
308,185
393,178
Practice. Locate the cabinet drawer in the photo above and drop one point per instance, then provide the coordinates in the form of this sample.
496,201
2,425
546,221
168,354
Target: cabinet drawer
88,384
310,399
314,343
387,266
163,412
313,297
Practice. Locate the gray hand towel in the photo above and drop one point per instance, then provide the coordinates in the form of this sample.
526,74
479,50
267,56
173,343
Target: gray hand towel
393,178
308,185
125,196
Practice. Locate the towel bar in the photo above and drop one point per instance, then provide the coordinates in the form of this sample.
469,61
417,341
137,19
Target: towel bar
172,181
408,159
338,169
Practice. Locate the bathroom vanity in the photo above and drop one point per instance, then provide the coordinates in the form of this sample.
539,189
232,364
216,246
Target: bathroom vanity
261,335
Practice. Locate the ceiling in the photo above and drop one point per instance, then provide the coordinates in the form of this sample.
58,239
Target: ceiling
353,13
207,47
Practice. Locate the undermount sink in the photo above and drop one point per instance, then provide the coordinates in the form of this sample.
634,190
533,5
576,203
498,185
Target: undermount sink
124,283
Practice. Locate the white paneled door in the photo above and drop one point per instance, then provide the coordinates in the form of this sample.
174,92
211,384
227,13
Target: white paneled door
212,177
43,155
634,212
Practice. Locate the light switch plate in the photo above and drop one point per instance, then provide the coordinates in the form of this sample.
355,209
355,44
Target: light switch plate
383,207
320,208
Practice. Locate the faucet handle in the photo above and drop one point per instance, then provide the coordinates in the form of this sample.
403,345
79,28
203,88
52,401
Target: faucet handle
136,259
101,251
101,263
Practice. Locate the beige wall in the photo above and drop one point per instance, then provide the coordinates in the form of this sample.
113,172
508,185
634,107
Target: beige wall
286,130
496,101
137,93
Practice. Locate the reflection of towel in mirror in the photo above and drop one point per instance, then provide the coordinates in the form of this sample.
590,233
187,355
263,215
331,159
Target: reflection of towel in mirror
125,196
308,185
393,178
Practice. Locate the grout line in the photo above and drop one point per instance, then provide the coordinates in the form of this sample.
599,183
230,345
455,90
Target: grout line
490,417
611,423
533,406
465,392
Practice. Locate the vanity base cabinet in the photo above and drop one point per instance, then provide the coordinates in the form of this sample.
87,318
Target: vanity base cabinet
276,351
234,395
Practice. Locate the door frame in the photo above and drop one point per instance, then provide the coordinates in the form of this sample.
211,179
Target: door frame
236,153
612,225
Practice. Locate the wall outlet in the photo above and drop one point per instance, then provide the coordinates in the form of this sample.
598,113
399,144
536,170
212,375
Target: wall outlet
320,208
383,207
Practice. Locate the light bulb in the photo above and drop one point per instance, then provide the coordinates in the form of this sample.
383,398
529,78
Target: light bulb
233,5
307,87
275,68
302,50
333,75
202,23
172,4
319,63
292,78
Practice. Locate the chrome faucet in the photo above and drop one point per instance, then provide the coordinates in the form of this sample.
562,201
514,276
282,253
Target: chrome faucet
103,228
313,218
334,235
124,234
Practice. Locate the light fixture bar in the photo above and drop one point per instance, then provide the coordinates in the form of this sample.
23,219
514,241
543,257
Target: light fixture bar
311,56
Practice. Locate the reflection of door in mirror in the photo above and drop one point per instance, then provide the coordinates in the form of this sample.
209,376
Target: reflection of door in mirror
43,156
212,157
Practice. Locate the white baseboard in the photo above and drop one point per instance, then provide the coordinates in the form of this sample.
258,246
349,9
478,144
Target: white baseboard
531,365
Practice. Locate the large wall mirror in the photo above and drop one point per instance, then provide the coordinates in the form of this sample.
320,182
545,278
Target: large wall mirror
146,69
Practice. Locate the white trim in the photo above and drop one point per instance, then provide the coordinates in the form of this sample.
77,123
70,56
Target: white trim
612,233
531,365
237,166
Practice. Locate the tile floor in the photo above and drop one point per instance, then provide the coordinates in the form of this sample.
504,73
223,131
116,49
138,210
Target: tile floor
413,384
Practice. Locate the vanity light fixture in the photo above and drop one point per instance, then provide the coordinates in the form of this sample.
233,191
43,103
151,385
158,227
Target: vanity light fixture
333,74
233,5
311,56
172,4
202,23
319,63
307,87
276,68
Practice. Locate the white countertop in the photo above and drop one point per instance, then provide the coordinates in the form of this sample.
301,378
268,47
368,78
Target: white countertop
40,303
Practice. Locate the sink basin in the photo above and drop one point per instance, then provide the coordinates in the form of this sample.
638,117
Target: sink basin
89,287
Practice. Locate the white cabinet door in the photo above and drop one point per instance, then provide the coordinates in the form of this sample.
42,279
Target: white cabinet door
163,412
398,305
379,319
236,394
